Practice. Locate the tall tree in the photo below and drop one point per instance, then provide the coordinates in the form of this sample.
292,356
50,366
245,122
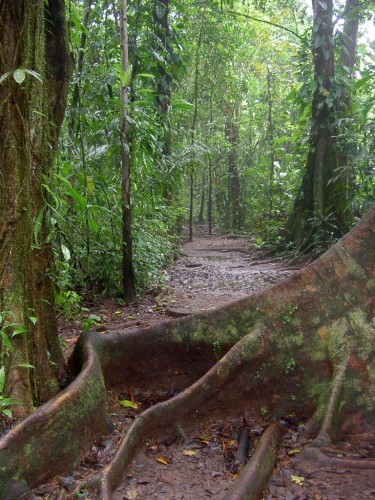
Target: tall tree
164,77
33,91
320,211
127,244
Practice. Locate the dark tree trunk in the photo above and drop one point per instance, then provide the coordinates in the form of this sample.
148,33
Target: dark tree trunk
127,244
271,142
33,103
163,82
191,206
203,197
79,69
347,59
209,203
319,213
231,132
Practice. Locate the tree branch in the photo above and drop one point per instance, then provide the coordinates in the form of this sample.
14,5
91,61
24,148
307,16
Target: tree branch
266,22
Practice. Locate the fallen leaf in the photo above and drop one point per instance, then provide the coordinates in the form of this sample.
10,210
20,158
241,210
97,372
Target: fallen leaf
131,494
204,438
294,451
298,480
162,460
117,312
128,404
189,453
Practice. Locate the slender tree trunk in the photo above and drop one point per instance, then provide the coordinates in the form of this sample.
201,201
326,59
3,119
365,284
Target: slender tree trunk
271,142
193,127
127,251
203,197
210,180
33,99
79,69
231,132
191,209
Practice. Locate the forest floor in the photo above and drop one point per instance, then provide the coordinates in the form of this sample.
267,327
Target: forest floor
199,463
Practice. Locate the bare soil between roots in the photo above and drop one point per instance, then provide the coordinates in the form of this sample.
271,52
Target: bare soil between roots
197,459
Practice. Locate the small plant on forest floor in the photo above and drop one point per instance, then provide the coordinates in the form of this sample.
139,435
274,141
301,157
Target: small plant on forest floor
90,321
68,303
264,410
290,366
5,402
217,348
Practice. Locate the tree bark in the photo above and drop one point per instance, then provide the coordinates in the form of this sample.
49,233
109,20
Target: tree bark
345,111
319,213
33,99
231,131
322,317
163,84
127,244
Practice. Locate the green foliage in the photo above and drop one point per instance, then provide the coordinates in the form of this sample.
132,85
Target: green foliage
5,403
208,65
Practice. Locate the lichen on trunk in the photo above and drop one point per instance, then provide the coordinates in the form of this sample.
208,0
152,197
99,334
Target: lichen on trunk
33,97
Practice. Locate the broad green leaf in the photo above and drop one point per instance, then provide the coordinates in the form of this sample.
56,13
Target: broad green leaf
19,75
66,252
182,105
33,319
63,179
26,365
7,412
93,225
18,330
128,404
146,75
38,224
6,341
78,198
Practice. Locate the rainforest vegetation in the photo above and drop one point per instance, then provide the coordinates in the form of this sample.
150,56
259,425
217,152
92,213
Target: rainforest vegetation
126,123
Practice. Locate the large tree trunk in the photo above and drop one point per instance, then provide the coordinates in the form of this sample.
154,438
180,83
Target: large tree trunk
33,98
320,211
321,317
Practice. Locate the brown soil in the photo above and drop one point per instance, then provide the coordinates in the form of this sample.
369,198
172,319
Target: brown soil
196,460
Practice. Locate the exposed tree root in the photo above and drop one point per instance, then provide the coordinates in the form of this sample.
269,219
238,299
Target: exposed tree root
319,455
254,476
324,436
286,338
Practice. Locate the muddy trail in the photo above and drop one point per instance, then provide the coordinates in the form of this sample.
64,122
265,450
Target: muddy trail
203,457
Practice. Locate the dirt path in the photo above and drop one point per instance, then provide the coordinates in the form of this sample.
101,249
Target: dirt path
198,461
209,272
217,269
